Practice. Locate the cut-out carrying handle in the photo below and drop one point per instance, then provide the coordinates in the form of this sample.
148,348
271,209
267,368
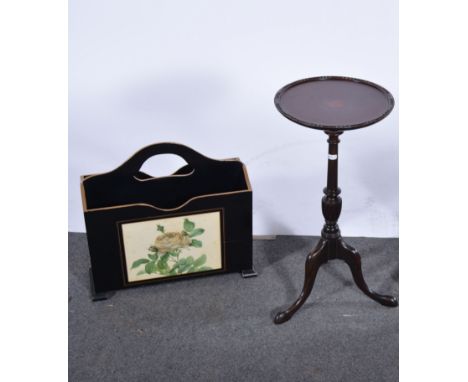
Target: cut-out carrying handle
133,165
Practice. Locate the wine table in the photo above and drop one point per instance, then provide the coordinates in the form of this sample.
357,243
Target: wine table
334,105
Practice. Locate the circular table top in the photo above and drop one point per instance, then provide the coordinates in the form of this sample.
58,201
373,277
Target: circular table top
334,103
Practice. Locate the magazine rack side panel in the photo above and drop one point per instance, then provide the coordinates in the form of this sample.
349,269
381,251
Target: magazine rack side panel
104,228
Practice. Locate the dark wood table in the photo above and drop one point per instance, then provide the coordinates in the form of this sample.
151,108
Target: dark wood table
334,105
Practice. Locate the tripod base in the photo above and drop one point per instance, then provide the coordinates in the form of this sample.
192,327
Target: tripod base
328,249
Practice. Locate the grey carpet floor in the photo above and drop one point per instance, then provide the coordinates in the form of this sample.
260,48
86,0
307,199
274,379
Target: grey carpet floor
220,328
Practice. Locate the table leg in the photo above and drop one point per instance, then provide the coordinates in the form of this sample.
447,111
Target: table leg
353,259
313,262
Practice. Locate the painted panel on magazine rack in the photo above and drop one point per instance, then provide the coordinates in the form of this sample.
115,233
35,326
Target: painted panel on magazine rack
172,246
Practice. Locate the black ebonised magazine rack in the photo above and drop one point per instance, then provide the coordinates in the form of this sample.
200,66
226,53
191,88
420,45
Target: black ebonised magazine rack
142,229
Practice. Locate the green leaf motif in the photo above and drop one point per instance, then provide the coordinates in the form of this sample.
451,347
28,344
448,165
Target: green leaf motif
162,266
153,256
184,264
138,262
200,261
196,243
150,267
198,269
191,269
160,228
197,232
188,225
190,260
205,268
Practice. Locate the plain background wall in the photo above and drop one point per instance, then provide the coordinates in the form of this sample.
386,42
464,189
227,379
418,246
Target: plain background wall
204,73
